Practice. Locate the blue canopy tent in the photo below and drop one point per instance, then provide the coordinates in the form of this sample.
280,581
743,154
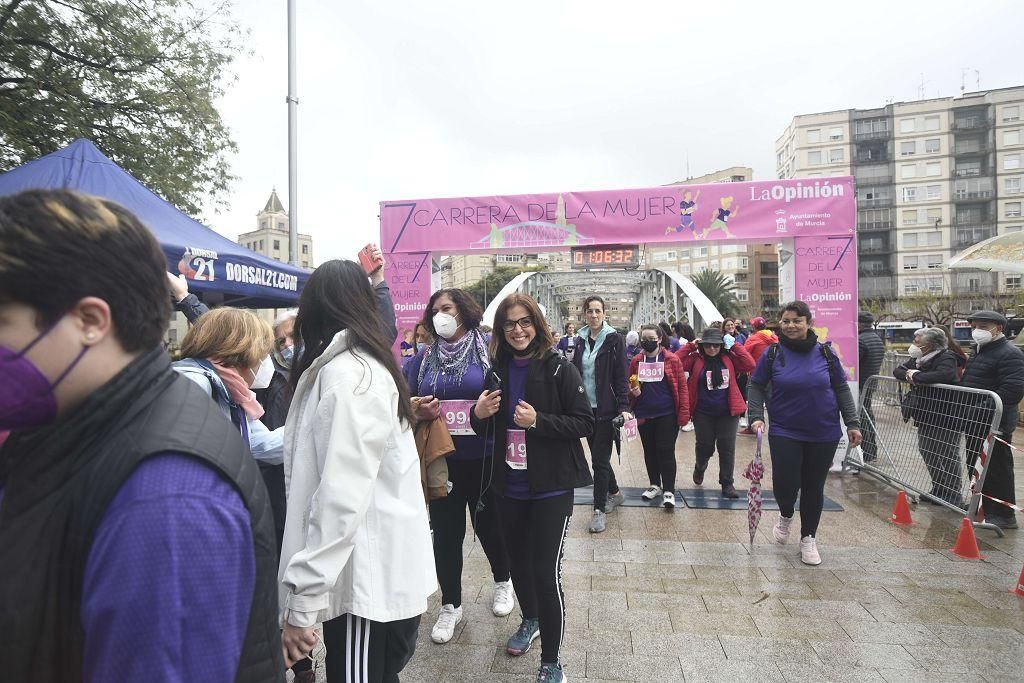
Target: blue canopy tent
218,269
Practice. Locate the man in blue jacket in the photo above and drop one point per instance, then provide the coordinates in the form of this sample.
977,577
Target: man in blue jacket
997,366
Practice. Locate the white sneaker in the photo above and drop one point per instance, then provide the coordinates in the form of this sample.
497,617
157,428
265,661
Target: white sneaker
668,500
743,423
651,493
688,427
809,551
444,629
502,605
836,468
781,530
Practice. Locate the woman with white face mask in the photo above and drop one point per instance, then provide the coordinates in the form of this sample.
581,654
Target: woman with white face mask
931,362
446,380
227,353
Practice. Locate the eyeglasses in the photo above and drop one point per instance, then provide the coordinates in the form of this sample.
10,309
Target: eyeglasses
524,324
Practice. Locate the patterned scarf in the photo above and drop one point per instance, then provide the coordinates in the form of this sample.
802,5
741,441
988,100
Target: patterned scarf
452,359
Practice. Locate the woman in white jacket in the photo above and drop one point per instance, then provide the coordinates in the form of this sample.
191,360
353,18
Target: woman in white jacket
357,552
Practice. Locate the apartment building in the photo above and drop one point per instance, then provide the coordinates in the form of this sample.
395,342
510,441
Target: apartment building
754,268
933,177
463,270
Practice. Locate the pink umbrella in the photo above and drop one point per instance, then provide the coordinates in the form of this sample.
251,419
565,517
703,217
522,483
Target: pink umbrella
754,472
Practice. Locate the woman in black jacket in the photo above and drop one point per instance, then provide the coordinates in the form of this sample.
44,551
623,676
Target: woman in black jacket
538,415
931,362
601,361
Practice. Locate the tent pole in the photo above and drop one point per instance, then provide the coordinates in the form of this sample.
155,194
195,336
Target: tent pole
293,103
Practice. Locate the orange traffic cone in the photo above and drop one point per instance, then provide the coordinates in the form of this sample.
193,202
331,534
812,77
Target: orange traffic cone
966,544
1019,590
901,511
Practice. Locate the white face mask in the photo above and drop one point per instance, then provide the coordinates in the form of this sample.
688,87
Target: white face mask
915,351
445,325
981,336
264,374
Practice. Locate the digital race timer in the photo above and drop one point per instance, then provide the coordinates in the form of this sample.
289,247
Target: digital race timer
598,257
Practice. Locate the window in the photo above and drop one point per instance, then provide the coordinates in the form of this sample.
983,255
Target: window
910,194
814,135
1011,112
835,134
933,261
814,158
908,171
910,217
906,125
514,258
1012,185
1012,209
1011,161
277,245
778,159
700,252
908,148
931,123
744,263
910,262
934,239
660,256
684,253
910,288
835,156
1013,281
305,249
263,224
742,295
1013,228
932,146
933,191
910,240
305,264
933,168
280,225
261,245
685,269
1011,137
671,256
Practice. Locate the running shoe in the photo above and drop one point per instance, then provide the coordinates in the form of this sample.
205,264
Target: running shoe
551,673
651,493
597,522
729,491
809,551
781,530
614,500
447,620
522,639
668,500
503,603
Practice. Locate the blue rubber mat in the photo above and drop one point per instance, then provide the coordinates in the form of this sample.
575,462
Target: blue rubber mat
702,499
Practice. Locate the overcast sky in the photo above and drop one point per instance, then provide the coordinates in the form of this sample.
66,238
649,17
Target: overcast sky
408,100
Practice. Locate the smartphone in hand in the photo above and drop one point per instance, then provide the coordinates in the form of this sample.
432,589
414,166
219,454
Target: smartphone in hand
370,264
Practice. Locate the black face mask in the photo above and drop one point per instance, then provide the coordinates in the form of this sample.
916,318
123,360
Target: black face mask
649,345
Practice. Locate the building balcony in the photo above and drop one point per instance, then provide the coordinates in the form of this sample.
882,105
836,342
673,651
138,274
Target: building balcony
972,195
873,135
874,226
967,235
972,123
970,172
875,203
874,250
972,150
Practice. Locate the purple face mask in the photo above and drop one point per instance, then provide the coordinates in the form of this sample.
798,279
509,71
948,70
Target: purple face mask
28,400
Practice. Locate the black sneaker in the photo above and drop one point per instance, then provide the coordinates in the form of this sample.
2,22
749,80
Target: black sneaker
729,491
698,475
1007,522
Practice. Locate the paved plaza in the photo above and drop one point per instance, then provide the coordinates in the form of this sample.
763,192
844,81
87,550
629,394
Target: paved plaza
677,596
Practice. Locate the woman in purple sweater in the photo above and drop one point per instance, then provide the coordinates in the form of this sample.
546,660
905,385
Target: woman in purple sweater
447,378
808,391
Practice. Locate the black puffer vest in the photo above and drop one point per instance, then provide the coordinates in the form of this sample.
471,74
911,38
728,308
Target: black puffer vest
58,482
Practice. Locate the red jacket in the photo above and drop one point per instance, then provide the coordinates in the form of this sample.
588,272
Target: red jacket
737,360
758,342
676,380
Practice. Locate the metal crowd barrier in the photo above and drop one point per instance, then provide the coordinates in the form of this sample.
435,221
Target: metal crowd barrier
925,439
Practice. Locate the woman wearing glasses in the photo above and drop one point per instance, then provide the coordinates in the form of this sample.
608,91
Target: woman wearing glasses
538,417
446,379
601,361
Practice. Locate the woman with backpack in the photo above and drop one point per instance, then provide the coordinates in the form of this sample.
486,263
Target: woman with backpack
537,410
715,363
659,401
808,389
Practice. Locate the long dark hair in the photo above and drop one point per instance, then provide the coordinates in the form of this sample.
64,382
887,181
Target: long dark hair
339,297
666,335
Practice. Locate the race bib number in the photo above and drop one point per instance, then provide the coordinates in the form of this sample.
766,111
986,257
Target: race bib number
515,450
456,417
630,430
651,372
725,379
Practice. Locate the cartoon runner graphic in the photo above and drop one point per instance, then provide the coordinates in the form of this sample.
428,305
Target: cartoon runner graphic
720,217
687,206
